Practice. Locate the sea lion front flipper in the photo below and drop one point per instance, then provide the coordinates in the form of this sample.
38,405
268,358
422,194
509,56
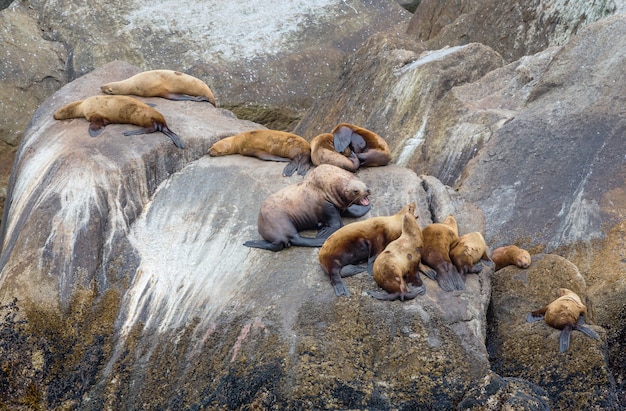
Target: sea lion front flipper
356,210
264,244
342,139
587,331
531,318
370,265
96,125
300,241
428,272
476,268
350,270
565,337
339,286
263,155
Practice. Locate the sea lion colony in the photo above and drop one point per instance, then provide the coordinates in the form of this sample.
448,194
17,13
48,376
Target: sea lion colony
392,248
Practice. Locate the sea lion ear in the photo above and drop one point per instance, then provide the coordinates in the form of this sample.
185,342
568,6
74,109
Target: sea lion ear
342,139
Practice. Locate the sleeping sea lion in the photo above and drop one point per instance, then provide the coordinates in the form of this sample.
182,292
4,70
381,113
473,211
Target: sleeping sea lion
269,145
370,148
357,243
103,110
510,255
317,201
169,84
566,313
467,253
438,240
323,152
398,264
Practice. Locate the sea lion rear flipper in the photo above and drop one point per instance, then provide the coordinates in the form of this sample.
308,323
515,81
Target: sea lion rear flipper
173,136
342,139
96,125
263,155
565,337
301,162
300,241
416,290
350,270
357,142
428,272
531,318
587,331
186,97
265,245
370,265
476,268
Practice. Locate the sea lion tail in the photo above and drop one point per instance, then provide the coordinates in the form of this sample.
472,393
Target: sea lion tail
565,337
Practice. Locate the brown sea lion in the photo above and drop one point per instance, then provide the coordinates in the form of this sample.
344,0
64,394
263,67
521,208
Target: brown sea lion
103,110
370,148
397,266
323,152
467,253
269,145
566,313
438,240
326,193
169,84
360,242
510,255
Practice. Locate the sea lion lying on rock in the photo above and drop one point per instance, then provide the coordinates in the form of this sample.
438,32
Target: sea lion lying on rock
323,152
438,240
566,313
359,242
319,200
169,84
510,255
269,145
397,266
468,251
103,110
370,148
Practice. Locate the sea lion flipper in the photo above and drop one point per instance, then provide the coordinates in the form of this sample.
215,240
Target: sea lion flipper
357,142
265,245
339,286
370,265
96,125
428,272
300,241
351,269
178,142
263,155
384,296
342,139
356,210
587,331
532,318
565,337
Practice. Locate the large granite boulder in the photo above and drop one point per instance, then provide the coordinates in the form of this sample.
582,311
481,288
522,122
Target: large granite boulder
125,255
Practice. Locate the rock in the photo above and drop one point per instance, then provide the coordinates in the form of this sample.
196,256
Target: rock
126,256
579,377
511,28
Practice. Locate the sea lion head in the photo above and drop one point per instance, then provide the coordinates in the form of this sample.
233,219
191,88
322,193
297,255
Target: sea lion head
340,187
222,147
522,259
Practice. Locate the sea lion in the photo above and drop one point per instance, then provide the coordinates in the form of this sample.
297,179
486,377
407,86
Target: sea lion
566,313
370,148
269,145
468,251
438,240
510,255
323,152
398,264
169,84
103,110
317,201
357,243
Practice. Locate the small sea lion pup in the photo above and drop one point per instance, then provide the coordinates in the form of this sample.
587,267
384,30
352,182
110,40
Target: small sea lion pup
397,266
566,313
370,148
169,84
438,240
510,255
323,152
360,242
467,253
103,110
269,145
326,193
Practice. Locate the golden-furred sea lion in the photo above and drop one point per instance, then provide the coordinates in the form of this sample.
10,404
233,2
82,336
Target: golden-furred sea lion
438,240
566,313
269,145
467,253
397,266
370,148
169,84
103,110
357,243
323,152
319,200
510,255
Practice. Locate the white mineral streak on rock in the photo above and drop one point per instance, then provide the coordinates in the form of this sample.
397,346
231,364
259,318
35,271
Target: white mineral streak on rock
429,57
224,27
410,146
